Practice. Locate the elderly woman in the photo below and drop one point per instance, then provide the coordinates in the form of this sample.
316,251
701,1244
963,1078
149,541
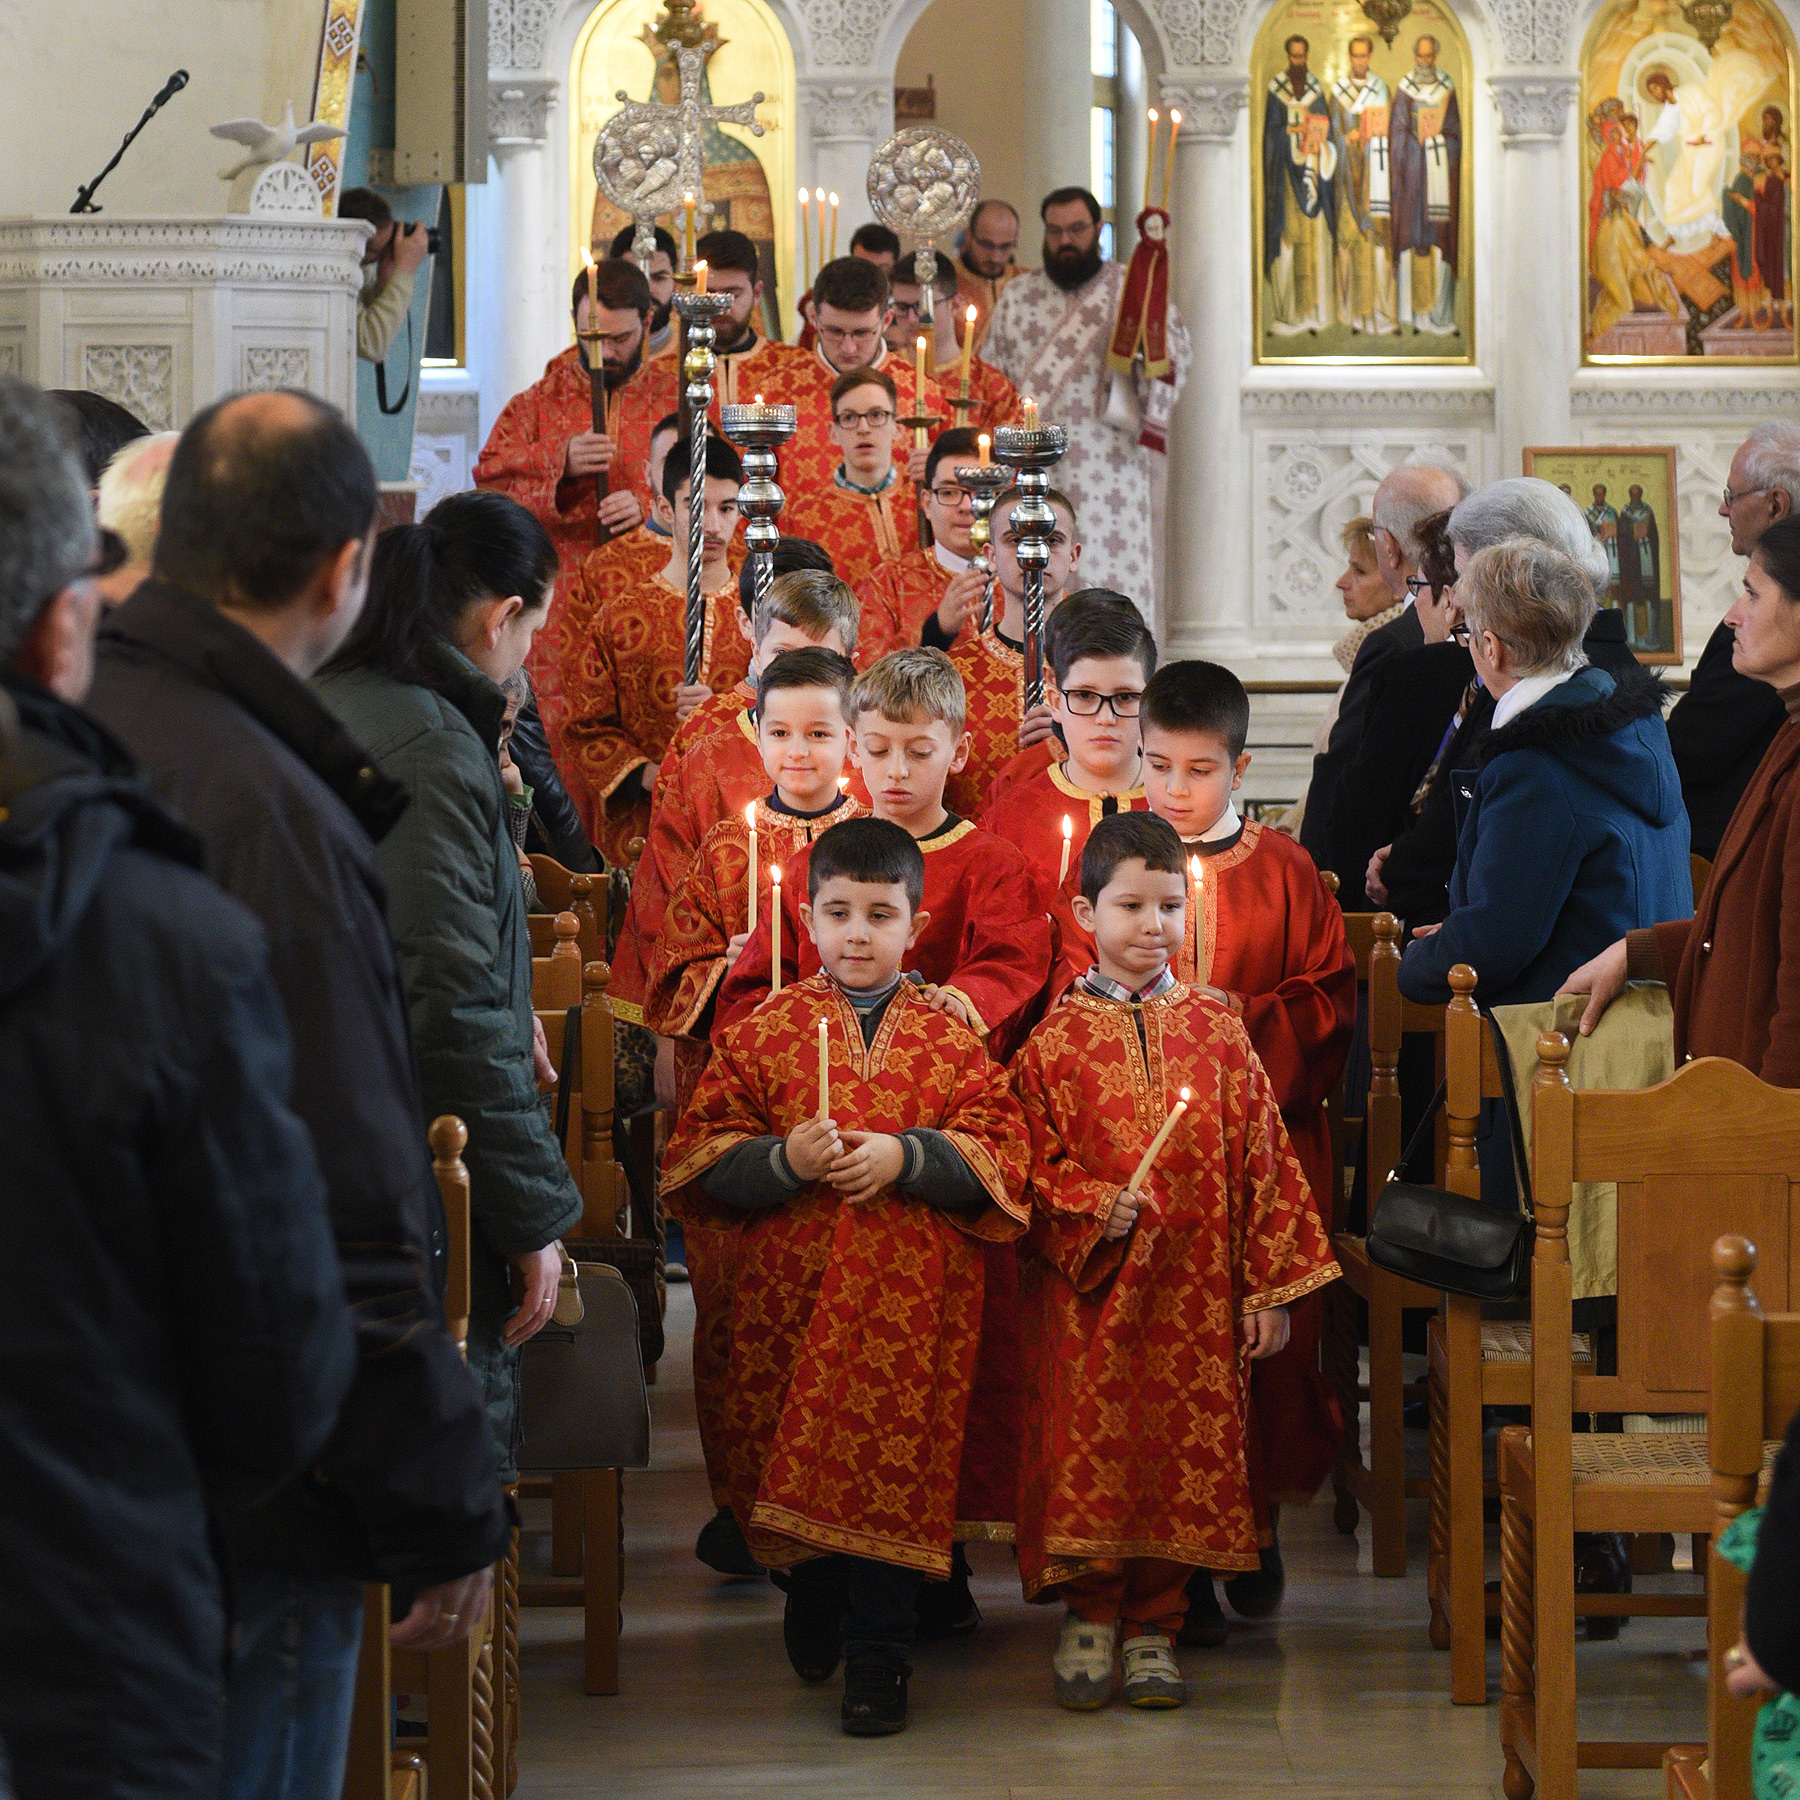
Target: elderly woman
1411,876
1734,971
1573,829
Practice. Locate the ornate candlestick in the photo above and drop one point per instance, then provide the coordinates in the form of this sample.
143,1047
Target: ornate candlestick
698,313
759,431
1033,451
984,483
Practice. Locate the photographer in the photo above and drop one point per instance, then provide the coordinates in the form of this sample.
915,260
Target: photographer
391,257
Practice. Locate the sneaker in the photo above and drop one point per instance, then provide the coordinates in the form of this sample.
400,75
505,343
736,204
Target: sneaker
812,1632
1084,1664
1204,1628
875,1694
1256,1596
1151,1677
946,1609
721,1546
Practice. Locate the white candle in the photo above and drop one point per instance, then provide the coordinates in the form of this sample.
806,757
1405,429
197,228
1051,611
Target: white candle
750,823
775,931
1194,871
824,1070
1062,874
1157,1142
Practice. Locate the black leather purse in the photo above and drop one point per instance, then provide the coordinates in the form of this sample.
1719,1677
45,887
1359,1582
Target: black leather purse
1445,1240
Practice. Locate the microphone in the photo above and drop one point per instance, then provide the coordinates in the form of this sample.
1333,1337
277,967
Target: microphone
172,87
84,198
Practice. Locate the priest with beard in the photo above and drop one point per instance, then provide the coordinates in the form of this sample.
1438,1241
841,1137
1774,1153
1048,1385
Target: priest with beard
659,271
747,364
544,451
1049,336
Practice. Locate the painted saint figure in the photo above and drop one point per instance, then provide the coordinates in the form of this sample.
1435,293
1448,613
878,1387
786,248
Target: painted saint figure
1603,522
1300,162
1640,569
1360,104
1426,146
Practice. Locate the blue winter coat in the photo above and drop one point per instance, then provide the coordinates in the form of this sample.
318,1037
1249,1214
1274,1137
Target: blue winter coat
1571,833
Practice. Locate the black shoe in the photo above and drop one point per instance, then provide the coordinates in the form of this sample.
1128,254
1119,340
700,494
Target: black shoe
1256,1596
875,1694
946,1609
1603,1566
812,1631
721,1546
1204,1628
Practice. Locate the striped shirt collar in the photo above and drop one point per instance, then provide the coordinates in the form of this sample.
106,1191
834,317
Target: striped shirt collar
1105,988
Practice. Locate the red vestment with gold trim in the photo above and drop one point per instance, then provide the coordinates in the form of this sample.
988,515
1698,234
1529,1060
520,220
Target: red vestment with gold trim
1135,1425
1042,755
859,531
1273,939
1030,816
981,293
896,600
621,697
993,674
854,1328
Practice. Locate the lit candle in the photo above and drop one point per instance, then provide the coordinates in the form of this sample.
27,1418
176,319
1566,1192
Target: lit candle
834,210
1150,157
759,399
700,276
1157,1142
919,372
593,291
819,199
1028,408
806,239
984,446
775,931
750,825
1169,158
1062,874
824,1070
968,348
687,206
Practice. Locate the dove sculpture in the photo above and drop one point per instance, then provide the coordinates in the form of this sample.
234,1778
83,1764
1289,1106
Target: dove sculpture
269,143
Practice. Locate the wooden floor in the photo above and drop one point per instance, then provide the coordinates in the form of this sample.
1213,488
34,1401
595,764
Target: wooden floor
1339,1696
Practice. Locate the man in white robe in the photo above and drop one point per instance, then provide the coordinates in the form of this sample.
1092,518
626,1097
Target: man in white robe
1049,336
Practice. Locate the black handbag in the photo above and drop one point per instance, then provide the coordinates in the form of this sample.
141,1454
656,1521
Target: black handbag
1444,1240
582,1403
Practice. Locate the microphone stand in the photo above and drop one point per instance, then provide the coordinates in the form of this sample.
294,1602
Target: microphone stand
84,199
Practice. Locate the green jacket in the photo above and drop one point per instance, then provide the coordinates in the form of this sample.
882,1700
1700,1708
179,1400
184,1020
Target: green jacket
457,910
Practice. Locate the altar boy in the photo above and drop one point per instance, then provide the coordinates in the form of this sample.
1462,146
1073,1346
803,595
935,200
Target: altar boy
866,1148
1267,940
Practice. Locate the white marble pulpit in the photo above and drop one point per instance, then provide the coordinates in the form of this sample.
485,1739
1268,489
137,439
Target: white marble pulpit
166,315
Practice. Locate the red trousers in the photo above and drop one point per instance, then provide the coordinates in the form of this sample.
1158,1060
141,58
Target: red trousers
1142,1593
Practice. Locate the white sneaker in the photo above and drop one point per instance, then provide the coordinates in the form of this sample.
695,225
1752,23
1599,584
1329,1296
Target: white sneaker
1084,1664
1152,1678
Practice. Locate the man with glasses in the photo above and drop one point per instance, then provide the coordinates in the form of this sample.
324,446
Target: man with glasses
866,515
932,590
749,363
995,399
544,451
987,264
873,243
1721,726
1051,336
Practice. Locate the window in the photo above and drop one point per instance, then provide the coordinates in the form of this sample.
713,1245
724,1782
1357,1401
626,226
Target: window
1103,137
445,319
1104,34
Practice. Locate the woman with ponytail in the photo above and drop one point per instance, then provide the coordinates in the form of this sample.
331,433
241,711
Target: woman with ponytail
453,603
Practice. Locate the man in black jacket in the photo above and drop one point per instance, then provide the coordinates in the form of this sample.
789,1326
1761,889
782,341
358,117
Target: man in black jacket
1721,726
173,1336
261,567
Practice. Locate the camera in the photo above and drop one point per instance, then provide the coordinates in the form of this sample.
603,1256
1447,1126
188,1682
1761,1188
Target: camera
434,240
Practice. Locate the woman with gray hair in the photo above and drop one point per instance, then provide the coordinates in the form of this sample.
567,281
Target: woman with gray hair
1572,826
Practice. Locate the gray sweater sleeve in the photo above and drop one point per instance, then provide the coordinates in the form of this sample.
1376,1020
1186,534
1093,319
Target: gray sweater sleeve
753,1175
936,1173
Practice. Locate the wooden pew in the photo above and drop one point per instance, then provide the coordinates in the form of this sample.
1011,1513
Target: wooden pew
1712,1150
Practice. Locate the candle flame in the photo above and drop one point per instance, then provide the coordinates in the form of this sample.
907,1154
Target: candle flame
834,199
687,197
970,315
775,874
1174,115
587,257
759,399
1194,866
1068,826
750,815
921,340
1184,1096
1154,115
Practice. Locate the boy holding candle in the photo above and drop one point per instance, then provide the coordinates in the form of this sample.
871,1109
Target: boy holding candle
1266,939
993,400
861,1195
1151,1274
1101,653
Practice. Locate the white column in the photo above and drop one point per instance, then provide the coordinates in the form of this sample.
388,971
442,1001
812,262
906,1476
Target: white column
1055,98
527,312
1207,590
846,120
1537,349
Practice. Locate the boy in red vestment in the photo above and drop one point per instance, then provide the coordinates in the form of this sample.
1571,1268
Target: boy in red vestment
802,736
1142,1299
621,691
993,399
864,1149
873,243
1102,654
748,363
939,580
992,662
1270,945
544,451
866,514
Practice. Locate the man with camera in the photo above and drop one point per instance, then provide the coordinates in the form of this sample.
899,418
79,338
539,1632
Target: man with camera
391,258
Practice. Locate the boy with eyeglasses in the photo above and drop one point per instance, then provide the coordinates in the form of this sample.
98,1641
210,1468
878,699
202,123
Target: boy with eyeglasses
866,514
1266,939
1102,654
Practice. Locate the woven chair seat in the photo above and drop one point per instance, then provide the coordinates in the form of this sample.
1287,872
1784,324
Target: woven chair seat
1509,1341
1646,1459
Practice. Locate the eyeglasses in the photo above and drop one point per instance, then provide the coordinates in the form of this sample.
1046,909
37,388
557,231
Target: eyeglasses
1732,499
1417,584
874,420
905,309
1461,634
836,335
949,496
1084,703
